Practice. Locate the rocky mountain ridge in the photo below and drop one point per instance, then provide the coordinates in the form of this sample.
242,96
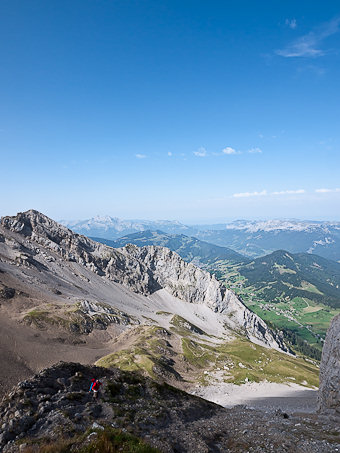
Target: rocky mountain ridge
143,270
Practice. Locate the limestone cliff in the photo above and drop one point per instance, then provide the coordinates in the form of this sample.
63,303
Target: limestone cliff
192,284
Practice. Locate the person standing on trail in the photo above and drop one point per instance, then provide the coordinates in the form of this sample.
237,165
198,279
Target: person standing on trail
95,386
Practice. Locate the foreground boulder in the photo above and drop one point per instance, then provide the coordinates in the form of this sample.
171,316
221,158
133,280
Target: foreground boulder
54,411
329,389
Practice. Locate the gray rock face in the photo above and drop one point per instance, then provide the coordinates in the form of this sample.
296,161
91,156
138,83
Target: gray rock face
182,280
100,259
192,284
329,389
143,270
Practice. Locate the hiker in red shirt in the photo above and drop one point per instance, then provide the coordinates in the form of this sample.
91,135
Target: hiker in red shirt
95,386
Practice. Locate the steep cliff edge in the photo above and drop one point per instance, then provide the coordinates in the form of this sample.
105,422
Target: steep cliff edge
329,389
143,270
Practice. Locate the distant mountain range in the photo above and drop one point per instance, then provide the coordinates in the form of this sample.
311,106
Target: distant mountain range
189,248
107,227
260,238
250,238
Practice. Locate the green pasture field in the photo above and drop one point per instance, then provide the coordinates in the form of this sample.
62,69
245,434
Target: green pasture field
308,319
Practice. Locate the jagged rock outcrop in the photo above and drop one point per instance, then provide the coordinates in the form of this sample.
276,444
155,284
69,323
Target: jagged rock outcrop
329,389
143,270
253,326
100,259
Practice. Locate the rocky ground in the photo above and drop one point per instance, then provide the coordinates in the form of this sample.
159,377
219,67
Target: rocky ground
56,405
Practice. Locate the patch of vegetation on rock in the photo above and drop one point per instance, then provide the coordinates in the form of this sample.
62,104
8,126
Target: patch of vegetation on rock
183,324
75,319
241,361
261,363
197,354
150,354
106,440
42,318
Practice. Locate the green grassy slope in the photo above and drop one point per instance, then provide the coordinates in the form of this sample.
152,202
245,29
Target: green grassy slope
157,354
282,274
296,293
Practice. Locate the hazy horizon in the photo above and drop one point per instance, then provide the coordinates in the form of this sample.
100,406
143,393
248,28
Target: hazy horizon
202,221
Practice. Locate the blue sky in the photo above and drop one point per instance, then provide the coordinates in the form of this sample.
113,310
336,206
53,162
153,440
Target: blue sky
197,111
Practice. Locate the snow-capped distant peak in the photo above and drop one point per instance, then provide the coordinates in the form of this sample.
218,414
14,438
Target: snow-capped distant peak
104,219
112,227
282,225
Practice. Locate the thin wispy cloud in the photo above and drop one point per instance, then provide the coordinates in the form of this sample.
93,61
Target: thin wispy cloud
169,153
309,45
327,190
201,152
289,192
265,193
228,151
291,23
141,156
249,194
